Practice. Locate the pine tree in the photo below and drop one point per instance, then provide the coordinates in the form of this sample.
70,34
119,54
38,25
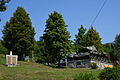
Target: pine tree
41,54
56,38
18,34
93,39
80,40
3,4
115,55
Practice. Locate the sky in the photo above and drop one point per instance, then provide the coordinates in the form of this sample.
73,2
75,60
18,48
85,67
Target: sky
74,12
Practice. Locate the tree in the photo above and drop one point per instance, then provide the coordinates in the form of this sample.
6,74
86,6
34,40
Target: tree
40,52
56,38
3,4
18,34
115,46
3,50
80,40
73,46
93,39
107,47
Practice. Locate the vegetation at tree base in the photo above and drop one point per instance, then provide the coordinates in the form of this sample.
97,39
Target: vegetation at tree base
110,74
2,59
42,58
93,38
3,4
56,38
35,52
80,40
85,76
3,50
93,65
18,34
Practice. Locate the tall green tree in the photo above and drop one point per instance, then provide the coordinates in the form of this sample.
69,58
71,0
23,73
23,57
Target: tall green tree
3,4
93,39
18,34
80,40
115,54
56,38
40,52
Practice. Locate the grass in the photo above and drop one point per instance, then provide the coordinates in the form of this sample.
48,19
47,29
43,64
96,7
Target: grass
34,71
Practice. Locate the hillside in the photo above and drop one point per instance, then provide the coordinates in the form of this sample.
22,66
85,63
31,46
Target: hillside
34,71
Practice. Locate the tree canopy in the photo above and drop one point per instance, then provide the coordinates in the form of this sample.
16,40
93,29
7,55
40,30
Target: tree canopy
18,34
3,4
80,39
56,37
89,38
115,46
93,39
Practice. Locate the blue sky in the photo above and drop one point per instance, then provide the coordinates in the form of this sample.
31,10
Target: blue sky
75,13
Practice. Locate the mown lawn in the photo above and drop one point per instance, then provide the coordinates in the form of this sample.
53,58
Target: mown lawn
34,71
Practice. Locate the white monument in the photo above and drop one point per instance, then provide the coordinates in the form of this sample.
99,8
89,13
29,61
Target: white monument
11,59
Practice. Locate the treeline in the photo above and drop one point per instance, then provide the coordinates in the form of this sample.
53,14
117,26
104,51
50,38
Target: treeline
55,43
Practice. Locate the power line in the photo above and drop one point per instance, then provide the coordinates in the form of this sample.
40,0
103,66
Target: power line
99,12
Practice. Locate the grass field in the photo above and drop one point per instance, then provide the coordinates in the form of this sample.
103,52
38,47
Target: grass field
34,71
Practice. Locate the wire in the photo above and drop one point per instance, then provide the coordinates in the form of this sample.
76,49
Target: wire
99,12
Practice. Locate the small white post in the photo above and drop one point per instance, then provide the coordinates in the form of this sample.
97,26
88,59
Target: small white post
11,53
11,56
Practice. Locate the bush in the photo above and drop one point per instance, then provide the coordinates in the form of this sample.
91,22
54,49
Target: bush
93,65
2,59
85,76
110,74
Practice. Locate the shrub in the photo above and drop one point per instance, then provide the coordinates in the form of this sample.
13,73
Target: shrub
85,76
110,74
93,65
2,59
